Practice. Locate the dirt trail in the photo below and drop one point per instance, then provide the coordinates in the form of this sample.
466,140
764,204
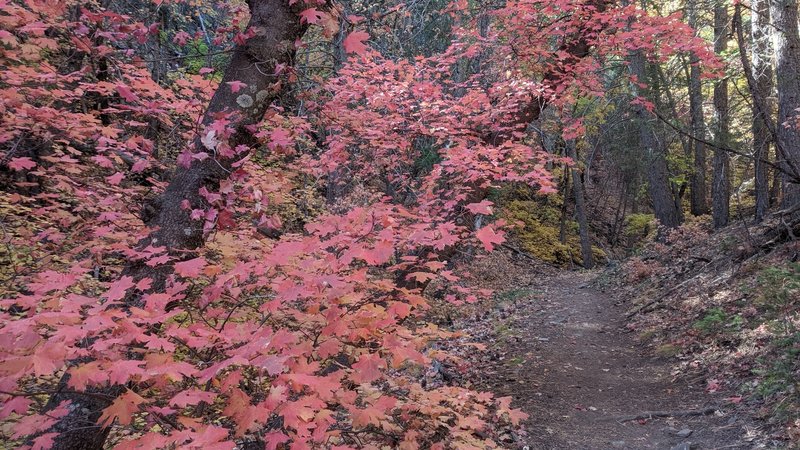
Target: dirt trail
562,351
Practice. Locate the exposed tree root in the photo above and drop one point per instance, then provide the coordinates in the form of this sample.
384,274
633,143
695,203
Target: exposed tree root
680,413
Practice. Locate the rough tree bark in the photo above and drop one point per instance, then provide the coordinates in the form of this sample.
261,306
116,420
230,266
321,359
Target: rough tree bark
665,207
580,208
762,74
786,42
253,64
699,200
721,183
570,52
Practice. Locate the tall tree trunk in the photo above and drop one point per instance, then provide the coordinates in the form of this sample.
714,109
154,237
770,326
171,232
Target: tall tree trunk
776,188
665,208
580,207
562,223
699,200
787,54
721,183
659,186
569,53
759,76
253,64
762,73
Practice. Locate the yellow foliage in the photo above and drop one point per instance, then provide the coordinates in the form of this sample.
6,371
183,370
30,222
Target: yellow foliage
539,233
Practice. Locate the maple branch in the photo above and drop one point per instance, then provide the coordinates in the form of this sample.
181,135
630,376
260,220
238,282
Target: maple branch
722,147
575,48
98,395
199,55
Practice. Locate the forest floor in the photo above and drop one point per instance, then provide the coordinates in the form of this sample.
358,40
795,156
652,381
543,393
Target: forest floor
561,348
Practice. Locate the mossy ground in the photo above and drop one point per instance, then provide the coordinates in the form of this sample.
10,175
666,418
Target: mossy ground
539,231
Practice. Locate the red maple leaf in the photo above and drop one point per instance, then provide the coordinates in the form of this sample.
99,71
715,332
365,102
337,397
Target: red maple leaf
126,93
190,268
484,207
17,405
119,288
489,238
236,86
122,409
311,16
368,368
192,397
23,163
354,43
380,254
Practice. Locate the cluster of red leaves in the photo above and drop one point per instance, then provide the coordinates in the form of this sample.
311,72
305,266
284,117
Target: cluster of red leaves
306,341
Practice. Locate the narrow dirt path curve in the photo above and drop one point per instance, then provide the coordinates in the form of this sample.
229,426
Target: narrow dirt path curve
561,350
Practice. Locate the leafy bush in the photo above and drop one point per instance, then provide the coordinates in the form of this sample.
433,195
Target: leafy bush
540,234
713,321
639,226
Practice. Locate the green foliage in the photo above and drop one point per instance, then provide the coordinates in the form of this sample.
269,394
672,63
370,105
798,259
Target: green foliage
779,377
716,320
200,56
779,289
713,320
428,156
513,295
668,350
197,61
639,226
681,165
779,285
540,234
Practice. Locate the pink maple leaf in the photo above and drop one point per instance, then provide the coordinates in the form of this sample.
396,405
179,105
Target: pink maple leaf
484,207
368,368
23,163
236,86
190,268
119,288
192,397
489,238
354,42
126,93
311,16
115,179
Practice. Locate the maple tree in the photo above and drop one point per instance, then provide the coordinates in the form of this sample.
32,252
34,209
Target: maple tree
191,326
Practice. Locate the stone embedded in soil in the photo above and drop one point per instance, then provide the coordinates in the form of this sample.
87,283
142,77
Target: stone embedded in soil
682,446
684,433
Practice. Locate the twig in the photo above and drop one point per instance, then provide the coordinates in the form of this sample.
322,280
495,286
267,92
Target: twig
97,395
679,413
661,297
527,255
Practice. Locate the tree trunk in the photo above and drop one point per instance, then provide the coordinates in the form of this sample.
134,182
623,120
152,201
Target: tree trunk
776,188
569,53
761,57
253,64
787,54
659,186
580,208
699,200
721,183
562,223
